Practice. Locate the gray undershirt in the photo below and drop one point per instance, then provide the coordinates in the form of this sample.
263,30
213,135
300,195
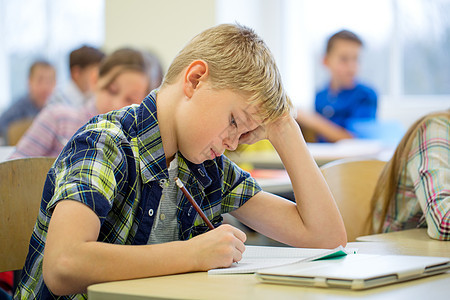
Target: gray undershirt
165,226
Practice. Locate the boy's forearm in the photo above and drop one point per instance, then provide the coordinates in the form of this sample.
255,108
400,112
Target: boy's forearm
74,259
95,262
315,202
322,126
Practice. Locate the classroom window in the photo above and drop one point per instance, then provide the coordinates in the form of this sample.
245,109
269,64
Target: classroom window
405,55
43,29
425,28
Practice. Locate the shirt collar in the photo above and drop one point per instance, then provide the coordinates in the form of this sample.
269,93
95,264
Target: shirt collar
341,90
152,158
199,172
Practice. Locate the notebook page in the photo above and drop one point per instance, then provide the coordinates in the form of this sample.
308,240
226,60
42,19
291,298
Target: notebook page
260,257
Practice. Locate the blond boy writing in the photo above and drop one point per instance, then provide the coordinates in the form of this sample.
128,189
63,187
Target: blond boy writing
111,210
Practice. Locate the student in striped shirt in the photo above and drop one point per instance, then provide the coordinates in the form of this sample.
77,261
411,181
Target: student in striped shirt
414,188
125,77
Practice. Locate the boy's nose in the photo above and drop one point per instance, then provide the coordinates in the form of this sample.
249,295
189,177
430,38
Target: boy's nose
231,143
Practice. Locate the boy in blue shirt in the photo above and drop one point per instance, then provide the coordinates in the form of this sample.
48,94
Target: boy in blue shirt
344,100
111,210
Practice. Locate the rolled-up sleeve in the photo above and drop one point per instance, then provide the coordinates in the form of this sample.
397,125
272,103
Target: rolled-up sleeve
90,170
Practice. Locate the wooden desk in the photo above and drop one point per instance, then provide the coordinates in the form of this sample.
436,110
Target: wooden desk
321,152
365,149
276,185
273,181
203,286
410,242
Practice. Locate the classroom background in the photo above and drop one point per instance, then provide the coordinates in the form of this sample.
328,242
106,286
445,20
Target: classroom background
405,58
405,55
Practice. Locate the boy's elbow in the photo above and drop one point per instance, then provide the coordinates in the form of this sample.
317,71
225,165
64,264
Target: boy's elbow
342,238
336,239
57,274
324,240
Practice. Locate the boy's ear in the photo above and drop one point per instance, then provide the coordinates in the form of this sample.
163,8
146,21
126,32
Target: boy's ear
325,60
75,72
195,73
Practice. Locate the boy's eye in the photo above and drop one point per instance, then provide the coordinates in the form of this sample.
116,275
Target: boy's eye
233,121
112,90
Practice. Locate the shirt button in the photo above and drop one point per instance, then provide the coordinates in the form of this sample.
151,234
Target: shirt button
162,217
150,212
162,183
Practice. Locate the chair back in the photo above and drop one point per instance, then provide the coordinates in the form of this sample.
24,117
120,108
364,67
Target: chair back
352,183
21,185
16,130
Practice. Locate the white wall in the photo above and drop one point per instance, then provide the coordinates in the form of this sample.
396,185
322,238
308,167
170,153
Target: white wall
4,62
157,25
164,26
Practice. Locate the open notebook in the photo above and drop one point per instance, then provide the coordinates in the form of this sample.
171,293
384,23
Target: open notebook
357,272
260,257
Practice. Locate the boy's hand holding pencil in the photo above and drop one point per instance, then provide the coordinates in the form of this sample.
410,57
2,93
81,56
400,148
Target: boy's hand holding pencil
221,246
218,248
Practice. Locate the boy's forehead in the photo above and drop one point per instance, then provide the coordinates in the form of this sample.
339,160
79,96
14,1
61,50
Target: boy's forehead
247,111
42,71
342,45
251,113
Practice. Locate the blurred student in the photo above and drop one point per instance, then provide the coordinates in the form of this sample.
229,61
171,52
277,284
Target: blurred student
41,82
125,78
344,100
414,188
84,64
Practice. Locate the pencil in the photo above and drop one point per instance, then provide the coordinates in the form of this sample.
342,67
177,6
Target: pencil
193,203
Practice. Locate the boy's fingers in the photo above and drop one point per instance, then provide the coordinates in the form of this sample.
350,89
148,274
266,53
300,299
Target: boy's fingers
239,234
240,247
238,256
253,136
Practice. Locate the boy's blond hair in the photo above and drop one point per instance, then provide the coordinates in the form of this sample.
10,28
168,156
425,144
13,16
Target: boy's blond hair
240,61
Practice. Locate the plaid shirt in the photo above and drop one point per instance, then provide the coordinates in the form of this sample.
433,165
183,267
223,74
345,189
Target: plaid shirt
115,164
423,195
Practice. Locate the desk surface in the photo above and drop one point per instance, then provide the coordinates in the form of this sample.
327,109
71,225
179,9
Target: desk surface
409,242
321,152
273,181
203,286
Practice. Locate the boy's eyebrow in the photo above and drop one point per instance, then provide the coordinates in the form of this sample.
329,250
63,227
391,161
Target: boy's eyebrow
247,115
249,119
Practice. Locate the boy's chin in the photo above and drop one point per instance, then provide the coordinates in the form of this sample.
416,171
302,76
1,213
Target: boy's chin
348,84
196,159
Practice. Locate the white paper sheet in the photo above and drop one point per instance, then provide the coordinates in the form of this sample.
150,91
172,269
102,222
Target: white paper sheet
260,257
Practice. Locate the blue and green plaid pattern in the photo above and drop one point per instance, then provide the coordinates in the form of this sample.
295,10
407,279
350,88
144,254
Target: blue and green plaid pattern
114,165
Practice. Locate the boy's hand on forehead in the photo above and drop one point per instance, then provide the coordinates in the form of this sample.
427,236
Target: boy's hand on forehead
218,248
253,136
267,130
